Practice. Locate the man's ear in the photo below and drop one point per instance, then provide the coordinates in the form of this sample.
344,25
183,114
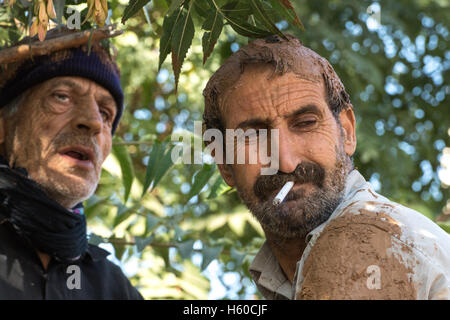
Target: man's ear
347,119
227,174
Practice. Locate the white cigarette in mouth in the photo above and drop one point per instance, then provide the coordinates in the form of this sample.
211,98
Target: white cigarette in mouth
283,193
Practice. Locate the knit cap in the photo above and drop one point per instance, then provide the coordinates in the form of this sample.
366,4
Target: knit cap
92,62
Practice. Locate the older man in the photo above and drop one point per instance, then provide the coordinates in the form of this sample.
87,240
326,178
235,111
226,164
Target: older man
58,114
333,236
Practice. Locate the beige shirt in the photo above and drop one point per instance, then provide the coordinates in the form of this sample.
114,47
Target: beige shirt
369,248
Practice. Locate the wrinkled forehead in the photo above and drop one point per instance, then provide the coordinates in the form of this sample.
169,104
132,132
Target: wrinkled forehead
259,84
288,56
273,59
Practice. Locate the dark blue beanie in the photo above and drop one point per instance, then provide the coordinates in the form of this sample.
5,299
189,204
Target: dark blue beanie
75,62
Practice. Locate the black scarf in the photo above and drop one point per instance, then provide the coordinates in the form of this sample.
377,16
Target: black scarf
43,222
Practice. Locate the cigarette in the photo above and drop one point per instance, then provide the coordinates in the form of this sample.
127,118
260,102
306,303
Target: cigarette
283,193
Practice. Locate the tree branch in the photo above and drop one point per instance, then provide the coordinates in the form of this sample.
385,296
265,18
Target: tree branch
38,48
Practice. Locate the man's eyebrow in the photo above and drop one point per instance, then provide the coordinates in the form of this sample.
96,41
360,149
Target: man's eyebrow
254,122
69,83
73,85
107,98
266,122
302,110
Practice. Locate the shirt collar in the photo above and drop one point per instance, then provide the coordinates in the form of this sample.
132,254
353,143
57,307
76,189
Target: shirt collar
96,253
268,275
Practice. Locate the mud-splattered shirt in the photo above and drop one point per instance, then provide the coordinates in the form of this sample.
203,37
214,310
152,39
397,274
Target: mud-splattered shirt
369,248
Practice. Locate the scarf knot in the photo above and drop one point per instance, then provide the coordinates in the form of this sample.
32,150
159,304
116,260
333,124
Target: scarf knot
43,222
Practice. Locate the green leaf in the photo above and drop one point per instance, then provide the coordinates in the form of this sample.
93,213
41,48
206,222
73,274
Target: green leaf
218,188
141,242
239,22
132,8
246,29
95,239
59,10
214,25
209,254
164,165
176,4
122,214
202,8
119,250
159,162
126,166
181,41
179,233
152,165
186,248
201,179
286,10
445,226
237,256
91,206
150,222
261,14
166,38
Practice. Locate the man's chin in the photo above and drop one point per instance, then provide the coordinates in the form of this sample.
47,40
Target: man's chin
68,189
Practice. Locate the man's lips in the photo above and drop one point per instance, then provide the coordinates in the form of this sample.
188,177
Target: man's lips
79,155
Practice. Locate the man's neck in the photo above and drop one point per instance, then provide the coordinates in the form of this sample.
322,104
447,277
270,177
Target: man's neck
45,259
288,253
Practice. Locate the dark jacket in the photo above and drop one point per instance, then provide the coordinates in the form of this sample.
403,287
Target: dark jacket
22,275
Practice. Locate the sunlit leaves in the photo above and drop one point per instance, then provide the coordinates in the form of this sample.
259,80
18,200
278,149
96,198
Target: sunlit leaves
165,43
213,24
201,179
159,163
121,152
249,18
261,14
285,9
186,248
142,242
95,239
218,188
97,11
133,7
209,254
181,40
178,32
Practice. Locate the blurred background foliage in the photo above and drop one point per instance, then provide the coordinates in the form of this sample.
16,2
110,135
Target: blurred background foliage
177,230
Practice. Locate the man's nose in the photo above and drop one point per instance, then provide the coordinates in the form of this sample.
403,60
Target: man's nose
88,117
288,152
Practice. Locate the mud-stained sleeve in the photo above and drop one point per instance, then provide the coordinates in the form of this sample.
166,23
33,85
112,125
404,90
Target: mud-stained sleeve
354,259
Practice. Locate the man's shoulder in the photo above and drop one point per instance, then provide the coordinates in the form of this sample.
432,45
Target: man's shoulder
97,258
110,274
413,229
375,236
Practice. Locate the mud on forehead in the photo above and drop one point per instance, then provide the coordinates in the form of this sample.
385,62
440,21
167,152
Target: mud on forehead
281,56
250,89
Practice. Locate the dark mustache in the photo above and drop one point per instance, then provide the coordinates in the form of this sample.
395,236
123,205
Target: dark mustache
306,172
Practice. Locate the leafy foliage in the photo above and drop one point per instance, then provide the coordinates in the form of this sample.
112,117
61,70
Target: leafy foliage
179,230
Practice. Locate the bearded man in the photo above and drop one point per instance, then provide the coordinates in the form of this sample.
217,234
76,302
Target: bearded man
333,236
58,112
